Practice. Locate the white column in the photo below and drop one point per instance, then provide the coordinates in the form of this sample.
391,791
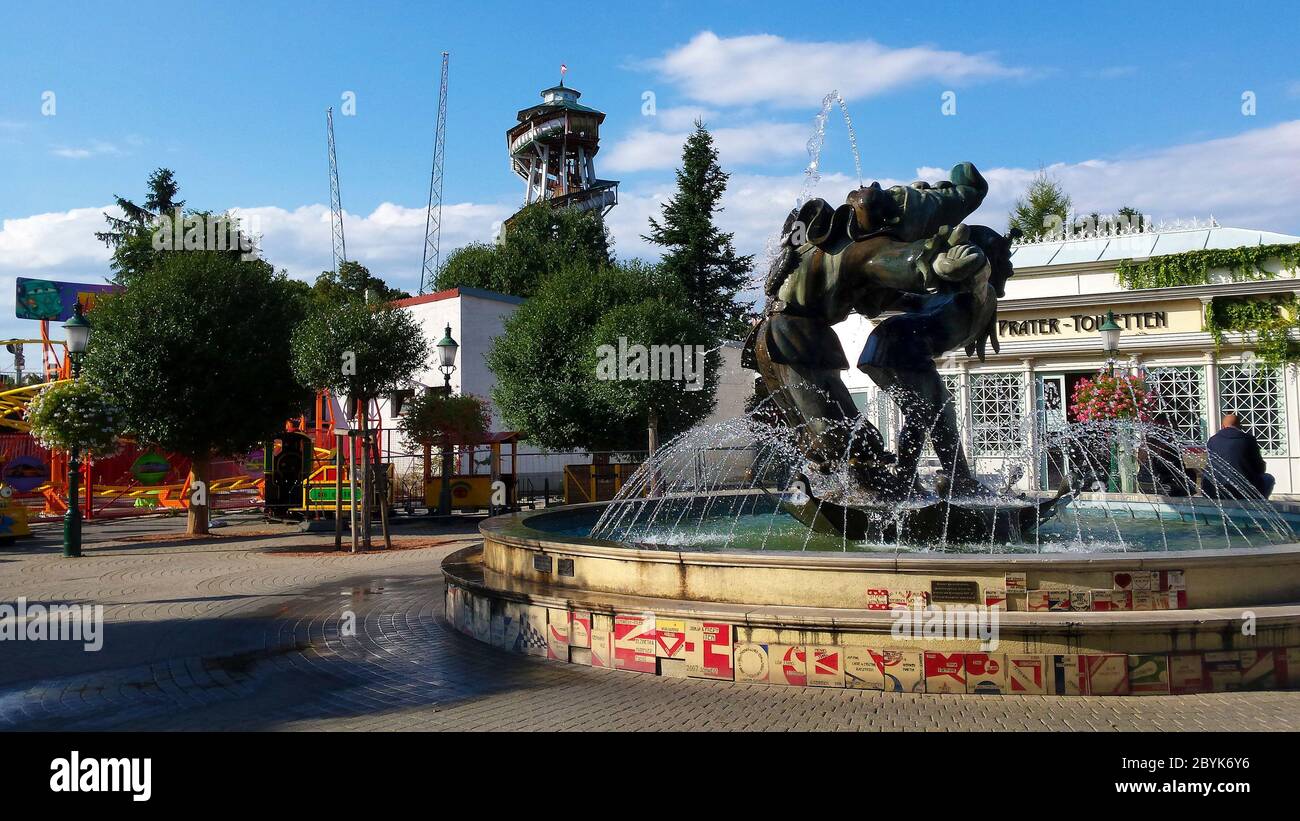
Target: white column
963,413
1291,404
546,167
1134,364
1211,393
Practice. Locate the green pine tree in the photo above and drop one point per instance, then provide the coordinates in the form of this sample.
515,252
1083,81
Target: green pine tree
1043,210
130,235
701,257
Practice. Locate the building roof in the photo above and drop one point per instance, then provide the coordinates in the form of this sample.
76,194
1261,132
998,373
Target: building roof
1141,245
455,293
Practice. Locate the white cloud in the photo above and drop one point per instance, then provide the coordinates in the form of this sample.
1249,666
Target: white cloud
389,240
769,69
645,149
93,149
1250,180
682,117
60,242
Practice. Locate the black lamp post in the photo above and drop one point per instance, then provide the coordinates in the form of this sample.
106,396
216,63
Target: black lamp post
447,349
1110,333
78,330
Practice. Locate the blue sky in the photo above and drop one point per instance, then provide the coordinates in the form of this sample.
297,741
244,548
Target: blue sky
1126,103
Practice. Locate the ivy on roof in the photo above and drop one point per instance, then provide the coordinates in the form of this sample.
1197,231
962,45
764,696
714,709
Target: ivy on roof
1193,267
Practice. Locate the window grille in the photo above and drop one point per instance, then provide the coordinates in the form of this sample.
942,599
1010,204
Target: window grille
996,410
1180,399
1254,392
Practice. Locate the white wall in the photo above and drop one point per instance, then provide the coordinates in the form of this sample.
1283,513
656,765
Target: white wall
735,385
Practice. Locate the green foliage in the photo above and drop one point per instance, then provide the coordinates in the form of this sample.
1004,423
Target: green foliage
1267,320
162,198
702,258
545,362
430,417
1194,267
1043,209
539,241
76,414
131,236
195,351
358,349
658,320
351,283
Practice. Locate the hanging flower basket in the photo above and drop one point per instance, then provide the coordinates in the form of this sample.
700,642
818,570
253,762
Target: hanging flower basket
75,414
1118,397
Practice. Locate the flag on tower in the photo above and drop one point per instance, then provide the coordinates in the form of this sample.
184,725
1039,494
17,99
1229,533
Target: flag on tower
563,69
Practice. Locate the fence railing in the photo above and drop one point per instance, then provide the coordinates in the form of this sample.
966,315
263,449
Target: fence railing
545,479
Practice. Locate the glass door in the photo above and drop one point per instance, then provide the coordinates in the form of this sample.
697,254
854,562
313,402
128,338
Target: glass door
1053,461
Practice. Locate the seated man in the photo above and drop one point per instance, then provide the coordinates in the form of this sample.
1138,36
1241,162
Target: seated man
1233,453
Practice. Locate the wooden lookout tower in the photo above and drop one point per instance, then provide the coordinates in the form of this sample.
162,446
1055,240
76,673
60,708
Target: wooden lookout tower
553,148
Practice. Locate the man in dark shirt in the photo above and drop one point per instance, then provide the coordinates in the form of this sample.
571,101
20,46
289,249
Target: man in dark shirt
1234,448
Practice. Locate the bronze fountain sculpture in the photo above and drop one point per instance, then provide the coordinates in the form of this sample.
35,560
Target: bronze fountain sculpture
906,250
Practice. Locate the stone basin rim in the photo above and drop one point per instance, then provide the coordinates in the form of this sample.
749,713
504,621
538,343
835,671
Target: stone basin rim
465,569
514,529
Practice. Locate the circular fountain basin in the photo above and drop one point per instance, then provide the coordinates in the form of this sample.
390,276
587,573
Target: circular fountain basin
1168,607
794,568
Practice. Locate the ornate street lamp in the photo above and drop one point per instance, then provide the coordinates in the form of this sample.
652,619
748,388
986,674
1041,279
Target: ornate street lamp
447,349
1110,333
78,330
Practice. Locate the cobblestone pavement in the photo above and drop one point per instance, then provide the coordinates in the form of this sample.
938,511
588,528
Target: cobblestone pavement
240,633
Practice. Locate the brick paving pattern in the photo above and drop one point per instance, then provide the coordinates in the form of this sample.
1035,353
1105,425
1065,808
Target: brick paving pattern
231,634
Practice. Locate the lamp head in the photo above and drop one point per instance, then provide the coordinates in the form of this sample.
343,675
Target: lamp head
447,348
1110,333
78,330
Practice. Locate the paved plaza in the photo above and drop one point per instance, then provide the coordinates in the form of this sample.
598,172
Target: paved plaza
249,631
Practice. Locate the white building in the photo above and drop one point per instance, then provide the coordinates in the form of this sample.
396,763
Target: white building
1048,331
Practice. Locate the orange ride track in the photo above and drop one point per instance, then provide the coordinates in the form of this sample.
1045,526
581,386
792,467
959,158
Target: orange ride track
103,496
118,498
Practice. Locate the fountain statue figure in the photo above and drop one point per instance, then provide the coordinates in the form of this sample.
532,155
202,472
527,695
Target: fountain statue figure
904,249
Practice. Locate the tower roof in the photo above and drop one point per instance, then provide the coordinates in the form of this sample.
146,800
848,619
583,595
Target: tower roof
557,98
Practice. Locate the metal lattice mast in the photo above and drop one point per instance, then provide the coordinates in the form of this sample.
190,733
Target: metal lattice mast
336,203
433,218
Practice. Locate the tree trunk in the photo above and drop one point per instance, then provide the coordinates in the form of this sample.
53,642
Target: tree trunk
197,521
381,487
365,477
